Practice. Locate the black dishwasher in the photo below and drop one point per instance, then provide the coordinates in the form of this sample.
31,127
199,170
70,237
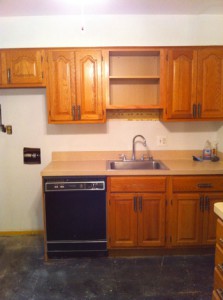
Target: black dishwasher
75,216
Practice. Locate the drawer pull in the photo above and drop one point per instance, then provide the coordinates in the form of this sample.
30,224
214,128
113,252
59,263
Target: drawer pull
205,185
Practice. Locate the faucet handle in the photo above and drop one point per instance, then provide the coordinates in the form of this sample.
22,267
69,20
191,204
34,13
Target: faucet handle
123,157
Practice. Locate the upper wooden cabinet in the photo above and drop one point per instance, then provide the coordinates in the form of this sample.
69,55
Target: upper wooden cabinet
194,84
22,68
74,86
135,78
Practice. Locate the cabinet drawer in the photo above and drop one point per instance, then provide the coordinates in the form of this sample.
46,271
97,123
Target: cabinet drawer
218,279
137,184
219,233
197,183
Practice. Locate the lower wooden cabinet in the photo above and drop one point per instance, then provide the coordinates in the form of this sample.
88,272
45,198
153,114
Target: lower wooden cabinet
218,271
136,219
159,211
194,221
192,214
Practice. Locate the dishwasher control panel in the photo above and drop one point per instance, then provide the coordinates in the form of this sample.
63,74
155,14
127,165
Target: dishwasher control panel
69,184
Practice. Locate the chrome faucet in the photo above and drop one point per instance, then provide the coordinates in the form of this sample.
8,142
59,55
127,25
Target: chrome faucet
133,145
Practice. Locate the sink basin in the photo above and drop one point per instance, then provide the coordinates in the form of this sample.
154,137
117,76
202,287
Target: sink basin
136,165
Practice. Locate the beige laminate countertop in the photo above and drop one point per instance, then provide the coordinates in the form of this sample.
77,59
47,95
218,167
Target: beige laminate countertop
78,164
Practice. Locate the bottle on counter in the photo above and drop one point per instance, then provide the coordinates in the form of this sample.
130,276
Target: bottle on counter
207,151
214,149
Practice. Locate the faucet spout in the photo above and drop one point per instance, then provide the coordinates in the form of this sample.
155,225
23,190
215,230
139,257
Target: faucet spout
133,144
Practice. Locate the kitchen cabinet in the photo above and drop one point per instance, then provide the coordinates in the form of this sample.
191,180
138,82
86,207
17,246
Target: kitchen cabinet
136,211
218,270
22,68
193,219
136,78
195,86
75,93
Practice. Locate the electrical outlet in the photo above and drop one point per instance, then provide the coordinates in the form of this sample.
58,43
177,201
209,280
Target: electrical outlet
161,141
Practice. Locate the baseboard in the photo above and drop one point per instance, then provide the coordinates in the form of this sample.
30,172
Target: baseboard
26,232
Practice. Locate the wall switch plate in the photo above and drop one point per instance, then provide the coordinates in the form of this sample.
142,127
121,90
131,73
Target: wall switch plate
31,155
161,141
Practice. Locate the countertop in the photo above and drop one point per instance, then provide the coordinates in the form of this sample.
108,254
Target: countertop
94,163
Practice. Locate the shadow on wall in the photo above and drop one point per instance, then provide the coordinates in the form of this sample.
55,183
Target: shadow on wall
189,127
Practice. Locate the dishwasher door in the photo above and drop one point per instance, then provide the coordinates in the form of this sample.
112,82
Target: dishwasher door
75,223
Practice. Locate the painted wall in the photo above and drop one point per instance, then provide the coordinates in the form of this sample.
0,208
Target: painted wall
25,109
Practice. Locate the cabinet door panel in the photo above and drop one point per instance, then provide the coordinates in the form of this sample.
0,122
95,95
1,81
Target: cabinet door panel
122,220
89,85
210,83
61,85
187,219
210,218
181,83
25,67
151,220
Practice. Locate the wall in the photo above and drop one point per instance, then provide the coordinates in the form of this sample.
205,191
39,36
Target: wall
25,109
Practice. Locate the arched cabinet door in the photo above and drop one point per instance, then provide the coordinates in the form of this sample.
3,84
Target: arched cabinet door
89,104
210,83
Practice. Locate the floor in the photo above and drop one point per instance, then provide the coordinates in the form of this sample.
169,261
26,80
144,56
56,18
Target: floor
25,276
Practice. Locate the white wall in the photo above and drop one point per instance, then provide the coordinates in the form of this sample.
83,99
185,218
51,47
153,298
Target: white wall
25,109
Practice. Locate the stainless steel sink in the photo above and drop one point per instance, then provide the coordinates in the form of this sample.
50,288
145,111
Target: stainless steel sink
136,165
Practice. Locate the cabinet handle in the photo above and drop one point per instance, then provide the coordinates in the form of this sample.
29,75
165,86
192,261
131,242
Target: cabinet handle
202,203
207,203
73,111
140,204
194,110
199,110
205,185
221,240
78,112
135,203
9,75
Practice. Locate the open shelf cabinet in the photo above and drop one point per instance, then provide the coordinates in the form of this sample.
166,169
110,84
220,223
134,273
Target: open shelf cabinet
135,79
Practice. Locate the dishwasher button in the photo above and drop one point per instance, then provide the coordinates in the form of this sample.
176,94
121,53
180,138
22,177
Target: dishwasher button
61,186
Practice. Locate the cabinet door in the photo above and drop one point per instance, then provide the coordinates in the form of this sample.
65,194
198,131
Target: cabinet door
90,105
61,85
181,91
122,220
151,219
210,83
187,219
23,68
210,218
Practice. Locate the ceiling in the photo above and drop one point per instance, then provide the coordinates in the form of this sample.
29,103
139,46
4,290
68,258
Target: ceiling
9,8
